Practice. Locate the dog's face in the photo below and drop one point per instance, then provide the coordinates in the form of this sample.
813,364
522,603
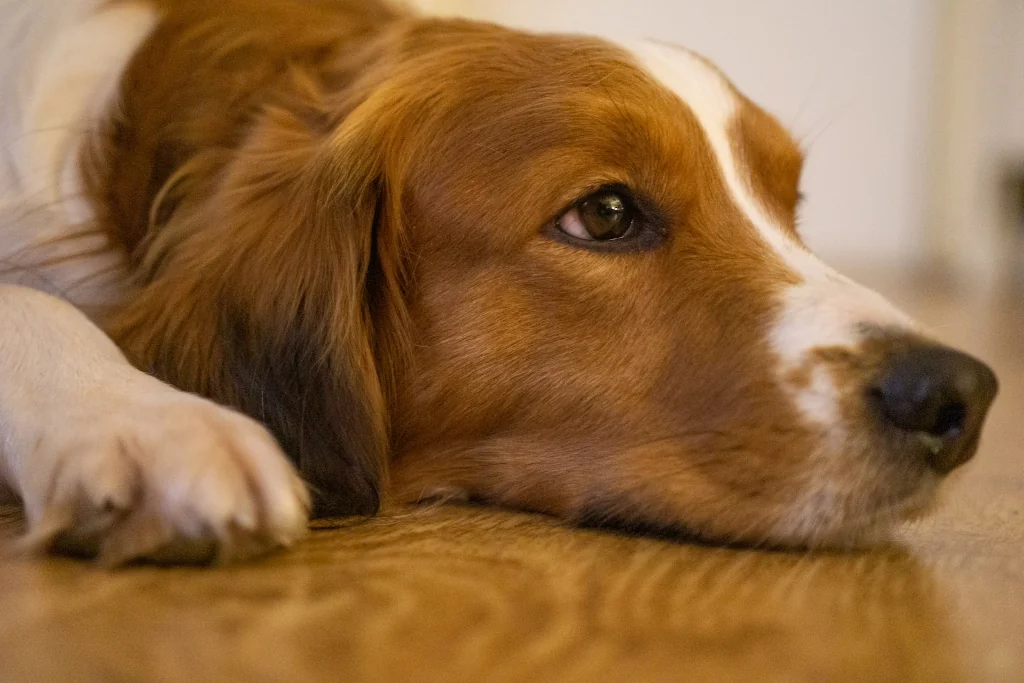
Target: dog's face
616,318
556,274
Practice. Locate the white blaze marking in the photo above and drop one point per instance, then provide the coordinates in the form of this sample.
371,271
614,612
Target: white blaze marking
826,308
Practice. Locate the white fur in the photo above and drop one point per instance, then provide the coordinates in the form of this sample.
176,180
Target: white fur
826,309
66,89
98,450
62,62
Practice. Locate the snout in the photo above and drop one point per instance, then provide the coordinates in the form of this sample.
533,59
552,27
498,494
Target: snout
938,395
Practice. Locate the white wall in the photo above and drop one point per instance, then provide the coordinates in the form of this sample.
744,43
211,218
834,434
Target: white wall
1012,110
852,78
980,128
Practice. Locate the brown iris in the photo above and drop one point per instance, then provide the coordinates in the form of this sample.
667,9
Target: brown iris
607,215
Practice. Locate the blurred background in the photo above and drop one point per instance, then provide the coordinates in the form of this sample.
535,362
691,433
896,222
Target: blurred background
911,111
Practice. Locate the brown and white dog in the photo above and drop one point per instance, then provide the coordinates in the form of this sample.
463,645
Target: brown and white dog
436,259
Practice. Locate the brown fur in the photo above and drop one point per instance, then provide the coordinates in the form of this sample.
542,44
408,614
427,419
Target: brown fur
337,217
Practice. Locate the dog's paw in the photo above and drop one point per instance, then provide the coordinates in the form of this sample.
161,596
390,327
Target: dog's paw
153,473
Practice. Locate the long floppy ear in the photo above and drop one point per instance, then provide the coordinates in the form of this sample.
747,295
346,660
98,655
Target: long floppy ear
262,294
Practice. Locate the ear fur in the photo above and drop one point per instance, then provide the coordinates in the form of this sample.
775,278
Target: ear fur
256,293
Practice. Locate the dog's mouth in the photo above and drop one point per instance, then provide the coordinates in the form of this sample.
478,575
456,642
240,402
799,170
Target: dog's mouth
847,508
870,528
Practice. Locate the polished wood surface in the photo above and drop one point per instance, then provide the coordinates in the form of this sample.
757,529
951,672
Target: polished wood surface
473,594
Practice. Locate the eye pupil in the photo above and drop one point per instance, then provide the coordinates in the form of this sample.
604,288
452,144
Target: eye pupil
607,216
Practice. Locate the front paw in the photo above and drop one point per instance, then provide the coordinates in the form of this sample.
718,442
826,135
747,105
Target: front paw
154,473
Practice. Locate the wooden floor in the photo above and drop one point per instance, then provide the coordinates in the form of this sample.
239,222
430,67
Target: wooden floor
458,594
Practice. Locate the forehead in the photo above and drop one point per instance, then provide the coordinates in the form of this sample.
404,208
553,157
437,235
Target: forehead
552,116
757,159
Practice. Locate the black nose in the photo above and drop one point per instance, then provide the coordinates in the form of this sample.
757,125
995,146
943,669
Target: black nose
941,395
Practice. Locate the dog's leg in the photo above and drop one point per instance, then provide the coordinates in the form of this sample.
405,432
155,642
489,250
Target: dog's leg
107,459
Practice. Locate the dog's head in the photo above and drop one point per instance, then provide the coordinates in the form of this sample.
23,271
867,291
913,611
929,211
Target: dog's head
553,273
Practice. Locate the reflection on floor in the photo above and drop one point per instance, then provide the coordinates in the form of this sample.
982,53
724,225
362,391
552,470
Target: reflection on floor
482,595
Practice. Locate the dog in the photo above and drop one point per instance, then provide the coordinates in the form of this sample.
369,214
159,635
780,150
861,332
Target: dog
273,258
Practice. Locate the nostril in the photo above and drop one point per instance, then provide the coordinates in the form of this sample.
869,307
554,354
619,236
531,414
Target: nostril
949,423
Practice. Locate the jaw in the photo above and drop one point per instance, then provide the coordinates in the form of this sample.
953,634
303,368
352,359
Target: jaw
832,531
662,492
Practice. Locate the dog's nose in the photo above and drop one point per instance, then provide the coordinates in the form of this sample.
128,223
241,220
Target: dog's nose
941,395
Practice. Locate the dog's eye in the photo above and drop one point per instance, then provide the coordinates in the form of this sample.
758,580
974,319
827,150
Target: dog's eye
604,216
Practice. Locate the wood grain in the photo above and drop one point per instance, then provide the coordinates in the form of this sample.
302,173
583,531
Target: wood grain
474,594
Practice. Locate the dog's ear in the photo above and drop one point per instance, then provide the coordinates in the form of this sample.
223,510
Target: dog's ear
278,292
